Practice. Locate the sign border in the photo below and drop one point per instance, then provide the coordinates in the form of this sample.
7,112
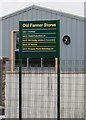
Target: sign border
46,54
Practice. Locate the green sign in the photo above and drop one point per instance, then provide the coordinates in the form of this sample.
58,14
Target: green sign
39,39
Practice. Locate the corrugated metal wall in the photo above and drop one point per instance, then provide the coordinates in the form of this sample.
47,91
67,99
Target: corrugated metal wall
70,26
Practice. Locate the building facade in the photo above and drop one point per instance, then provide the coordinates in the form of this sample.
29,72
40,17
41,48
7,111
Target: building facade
70,25
44,84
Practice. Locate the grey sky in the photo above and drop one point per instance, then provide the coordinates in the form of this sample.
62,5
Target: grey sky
76,8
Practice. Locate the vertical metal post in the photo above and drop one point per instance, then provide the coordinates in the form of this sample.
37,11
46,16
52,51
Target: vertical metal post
20,74
58,85
20,89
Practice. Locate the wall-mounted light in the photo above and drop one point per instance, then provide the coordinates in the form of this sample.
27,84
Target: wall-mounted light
66,40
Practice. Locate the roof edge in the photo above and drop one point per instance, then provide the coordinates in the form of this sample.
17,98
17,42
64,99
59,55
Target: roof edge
45,9
59,13
18,12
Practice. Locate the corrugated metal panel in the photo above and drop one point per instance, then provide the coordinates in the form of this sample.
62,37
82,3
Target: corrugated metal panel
74,43
80,40
15,21
6,38
85,40
40,15
0,38
63,32
74,29
30,14
3,37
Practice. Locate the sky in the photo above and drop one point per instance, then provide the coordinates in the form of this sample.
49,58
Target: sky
75,7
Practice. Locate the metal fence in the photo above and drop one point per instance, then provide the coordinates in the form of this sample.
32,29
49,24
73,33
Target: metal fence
39,92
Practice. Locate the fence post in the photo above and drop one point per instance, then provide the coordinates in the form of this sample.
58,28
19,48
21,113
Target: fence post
20,89
58,86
